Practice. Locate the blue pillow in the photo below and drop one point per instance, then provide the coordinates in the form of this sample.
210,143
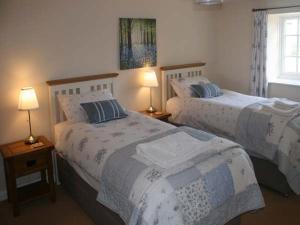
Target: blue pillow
103,111
206,90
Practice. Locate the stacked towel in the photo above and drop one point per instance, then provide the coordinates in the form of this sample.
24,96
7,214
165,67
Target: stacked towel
180,147
285,104
283,107
282,111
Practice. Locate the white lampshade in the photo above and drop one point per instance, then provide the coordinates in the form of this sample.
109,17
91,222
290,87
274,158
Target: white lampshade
28,99
150,79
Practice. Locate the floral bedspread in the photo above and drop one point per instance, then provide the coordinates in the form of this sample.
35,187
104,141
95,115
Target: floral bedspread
207,190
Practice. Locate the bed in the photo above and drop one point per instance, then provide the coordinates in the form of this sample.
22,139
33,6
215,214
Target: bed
228,116
99,166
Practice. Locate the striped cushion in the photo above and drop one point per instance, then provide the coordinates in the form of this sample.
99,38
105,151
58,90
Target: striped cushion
209,90
102,111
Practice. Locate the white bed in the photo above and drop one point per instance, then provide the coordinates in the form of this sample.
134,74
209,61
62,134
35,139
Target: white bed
254,122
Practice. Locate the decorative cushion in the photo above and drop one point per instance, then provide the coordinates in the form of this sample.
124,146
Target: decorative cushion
203,90
102,111
70,104
182,86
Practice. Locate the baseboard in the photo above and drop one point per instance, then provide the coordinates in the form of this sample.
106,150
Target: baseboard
3,195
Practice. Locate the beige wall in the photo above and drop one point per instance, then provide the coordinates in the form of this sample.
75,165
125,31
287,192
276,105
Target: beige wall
42,40
234,26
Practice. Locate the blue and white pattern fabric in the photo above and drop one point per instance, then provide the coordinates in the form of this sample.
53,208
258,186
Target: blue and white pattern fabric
102,111
182,86
259,82
195,192
267,128
206,90
276,137
143,193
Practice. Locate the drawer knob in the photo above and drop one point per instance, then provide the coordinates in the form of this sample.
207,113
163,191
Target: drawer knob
31,163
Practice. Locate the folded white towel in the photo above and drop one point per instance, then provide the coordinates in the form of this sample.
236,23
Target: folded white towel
286,104
180,147
280,109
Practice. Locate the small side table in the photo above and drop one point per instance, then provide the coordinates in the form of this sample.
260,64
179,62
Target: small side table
20,160
163,116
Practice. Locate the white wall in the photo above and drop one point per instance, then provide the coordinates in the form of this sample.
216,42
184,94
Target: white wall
42,40
234,29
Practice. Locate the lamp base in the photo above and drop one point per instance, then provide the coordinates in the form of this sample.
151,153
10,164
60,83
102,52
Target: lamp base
31,140
151,109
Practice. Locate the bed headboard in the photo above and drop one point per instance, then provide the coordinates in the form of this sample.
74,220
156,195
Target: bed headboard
177,72
75,86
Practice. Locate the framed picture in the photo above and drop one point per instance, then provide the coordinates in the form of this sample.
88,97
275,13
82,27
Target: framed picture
137,43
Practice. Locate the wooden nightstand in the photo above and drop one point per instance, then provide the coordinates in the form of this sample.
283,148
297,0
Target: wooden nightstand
20,160
163,116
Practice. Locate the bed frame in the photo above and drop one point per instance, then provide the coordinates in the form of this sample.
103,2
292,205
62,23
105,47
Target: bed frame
266,172
82,192
176,72
75,86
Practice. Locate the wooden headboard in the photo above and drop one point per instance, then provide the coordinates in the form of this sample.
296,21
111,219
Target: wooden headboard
75,86
177,72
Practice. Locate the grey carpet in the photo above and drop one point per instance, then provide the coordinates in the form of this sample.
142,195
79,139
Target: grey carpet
279,211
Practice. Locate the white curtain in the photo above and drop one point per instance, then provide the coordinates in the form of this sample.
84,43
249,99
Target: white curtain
259,82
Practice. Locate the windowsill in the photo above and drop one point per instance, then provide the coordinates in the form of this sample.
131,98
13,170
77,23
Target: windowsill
285,82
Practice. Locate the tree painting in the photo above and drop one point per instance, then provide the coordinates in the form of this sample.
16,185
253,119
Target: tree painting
137,43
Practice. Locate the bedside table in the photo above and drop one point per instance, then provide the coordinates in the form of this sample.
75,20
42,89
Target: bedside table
20,160
163,116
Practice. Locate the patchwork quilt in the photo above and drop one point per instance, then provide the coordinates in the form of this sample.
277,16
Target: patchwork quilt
210,189
274,136
244,119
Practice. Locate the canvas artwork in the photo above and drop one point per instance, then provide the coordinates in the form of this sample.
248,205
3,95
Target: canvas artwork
137,43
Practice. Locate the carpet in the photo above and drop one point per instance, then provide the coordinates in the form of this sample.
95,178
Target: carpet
279,211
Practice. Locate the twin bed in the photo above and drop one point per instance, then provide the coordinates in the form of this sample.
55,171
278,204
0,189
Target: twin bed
269,129
101,167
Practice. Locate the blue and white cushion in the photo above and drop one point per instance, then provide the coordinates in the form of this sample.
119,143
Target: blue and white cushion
182,86
103,111
70,104
206,90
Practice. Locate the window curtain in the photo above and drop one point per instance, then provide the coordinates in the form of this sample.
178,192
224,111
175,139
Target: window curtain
259,81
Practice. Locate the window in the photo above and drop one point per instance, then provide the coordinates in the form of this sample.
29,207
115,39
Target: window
283,52
290,47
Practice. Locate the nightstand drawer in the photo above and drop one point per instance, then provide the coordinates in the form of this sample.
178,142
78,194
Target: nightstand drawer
29,163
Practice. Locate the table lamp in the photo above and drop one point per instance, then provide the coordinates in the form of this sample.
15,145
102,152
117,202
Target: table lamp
150,80
28,101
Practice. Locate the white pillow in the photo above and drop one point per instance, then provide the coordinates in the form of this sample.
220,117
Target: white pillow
70,104
182,86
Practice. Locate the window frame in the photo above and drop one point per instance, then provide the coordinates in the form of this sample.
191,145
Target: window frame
283,56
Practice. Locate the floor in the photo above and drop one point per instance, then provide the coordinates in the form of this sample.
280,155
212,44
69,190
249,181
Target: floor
279,211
